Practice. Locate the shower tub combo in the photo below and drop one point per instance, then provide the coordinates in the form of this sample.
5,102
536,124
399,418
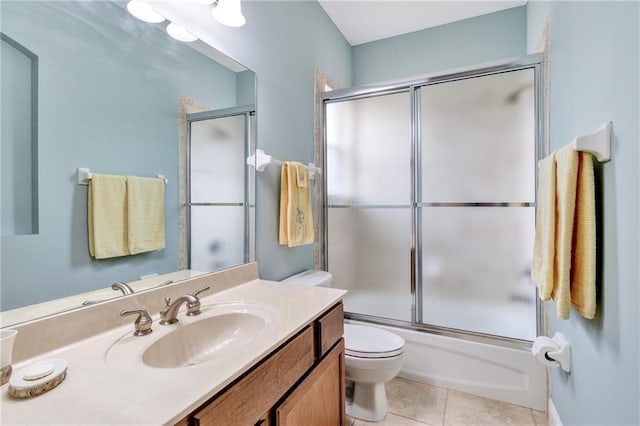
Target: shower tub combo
429,218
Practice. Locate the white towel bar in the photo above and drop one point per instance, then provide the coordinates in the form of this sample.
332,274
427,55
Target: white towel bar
598,143
260,161
84,176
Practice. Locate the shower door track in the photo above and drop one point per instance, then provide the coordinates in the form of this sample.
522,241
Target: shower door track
473,336
533,61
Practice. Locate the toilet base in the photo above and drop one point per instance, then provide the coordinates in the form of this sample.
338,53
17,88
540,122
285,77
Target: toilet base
369,402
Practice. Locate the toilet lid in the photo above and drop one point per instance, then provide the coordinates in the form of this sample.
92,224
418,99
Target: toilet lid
371,342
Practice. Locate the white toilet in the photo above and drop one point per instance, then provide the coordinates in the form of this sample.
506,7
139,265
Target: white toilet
373,356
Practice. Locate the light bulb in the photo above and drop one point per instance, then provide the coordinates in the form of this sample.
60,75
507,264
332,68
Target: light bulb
179,33
229,13
144,12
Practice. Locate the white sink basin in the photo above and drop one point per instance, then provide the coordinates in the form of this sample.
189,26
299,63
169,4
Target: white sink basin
203,340
221,330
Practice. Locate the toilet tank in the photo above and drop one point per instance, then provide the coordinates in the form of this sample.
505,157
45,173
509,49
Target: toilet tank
312,277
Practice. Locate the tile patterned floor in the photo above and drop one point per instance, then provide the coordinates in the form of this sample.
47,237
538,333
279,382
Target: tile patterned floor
419,404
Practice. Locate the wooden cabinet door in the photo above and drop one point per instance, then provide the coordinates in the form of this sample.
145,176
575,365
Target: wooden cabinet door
246,402
319,399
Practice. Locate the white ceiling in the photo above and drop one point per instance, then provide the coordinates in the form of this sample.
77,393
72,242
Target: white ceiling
362,21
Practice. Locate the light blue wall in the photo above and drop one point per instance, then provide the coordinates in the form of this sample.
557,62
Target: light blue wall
594,77
473,41
283,42
109,104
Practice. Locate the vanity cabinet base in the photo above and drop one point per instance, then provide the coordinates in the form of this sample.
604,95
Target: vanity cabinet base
301,383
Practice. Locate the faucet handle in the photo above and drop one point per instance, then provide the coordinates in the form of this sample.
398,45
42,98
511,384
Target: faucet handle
202,290
142,324
193,308
167,301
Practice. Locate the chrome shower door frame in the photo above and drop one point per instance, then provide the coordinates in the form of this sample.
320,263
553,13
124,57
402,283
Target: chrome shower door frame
413,85
247,111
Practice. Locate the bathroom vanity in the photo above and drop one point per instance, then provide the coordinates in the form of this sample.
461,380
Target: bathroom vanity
273,353
301,383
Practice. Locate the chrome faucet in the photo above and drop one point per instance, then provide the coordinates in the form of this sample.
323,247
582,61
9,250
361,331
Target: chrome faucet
169,314
123,287
143,322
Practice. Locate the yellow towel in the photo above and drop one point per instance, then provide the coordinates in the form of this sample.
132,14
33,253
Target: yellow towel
583,260
107,216
564,260
566,179
544,247
145,213
296,222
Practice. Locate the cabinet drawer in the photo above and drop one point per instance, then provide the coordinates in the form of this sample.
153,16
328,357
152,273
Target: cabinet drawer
248,400
329,329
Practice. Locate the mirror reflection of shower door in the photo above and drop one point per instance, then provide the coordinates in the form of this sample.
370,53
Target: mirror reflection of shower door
368,158
477,204
220,189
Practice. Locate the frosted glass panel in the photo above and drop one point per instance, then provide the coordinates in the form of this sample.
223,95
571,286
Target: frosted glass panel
369,150
217,237
217,160
476,264
478,139
370,256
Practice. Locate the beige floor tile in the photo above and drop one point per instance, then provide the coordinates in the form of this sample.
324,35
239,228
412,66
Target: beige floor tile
349,421
417,401
540,418
466,410
391,420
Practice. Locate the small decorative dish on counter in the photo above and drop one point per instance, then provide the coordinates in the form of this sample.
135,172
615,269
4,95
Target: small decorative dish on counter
37,378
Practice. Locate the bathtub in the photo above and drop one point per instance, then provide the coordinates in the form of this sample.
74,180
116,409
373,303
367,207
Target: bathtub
495,372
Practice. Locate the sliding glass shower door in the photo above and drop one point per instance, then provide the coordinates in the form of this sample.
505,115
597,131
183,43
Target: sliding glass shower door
369,203
430,201
476,204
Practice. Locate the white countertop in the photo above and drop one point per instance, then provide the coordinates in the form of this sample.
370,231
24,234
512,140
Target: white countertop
127,393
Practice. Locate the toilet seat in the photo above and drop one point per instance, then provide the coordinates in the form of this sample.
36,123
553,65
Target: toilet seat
371,342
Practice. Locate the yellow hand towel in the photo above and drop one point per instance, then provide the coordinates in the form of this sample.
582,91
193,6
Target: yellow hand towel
544,247
567,175
583,263
296,222
107,216
145,198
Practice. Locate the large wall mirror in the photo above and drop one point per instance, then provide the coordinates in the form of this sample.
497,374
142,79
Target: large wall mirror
85,84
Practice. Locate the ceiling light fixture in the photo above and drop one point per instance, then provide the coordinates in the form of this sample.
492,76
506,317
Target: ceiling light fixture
144,12
228,12
179,33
